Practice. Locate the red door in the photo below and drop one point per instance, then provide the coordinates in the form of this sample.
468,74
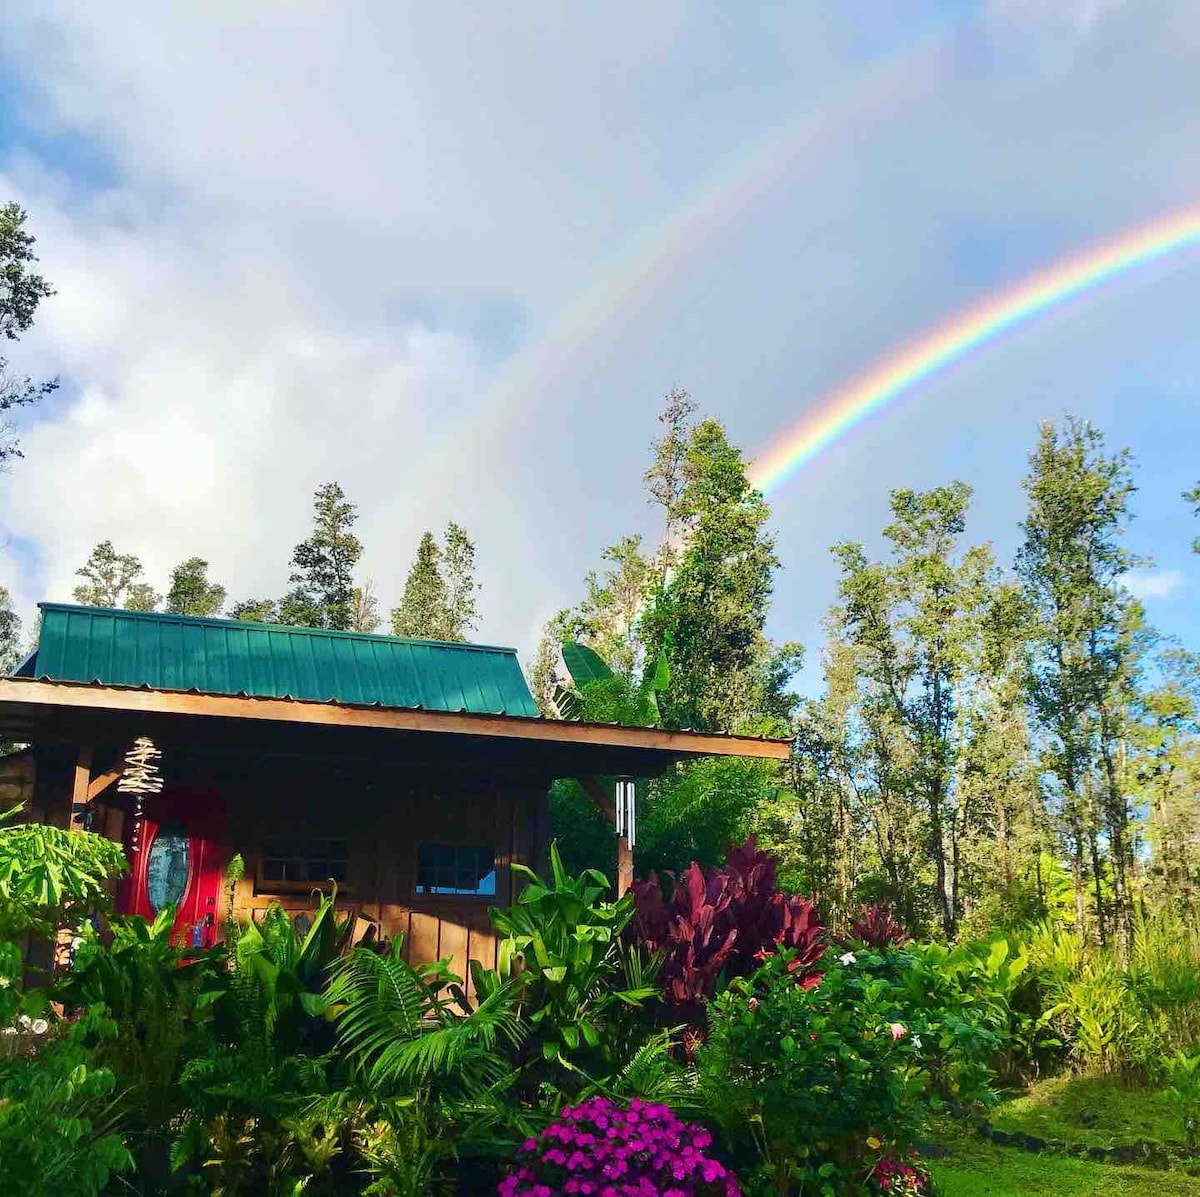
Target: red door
180,859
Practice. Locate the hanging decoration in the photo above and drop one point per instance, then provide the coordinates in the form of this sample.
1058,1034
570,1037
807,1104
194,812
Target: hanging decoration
139,778
627,809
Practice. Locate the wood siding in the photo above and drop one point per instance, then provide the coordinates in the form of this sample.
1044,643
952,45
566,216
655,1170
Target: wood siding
383,826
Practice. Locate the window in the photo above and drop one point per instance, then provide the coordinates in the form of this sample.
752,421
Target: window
456,869
303,862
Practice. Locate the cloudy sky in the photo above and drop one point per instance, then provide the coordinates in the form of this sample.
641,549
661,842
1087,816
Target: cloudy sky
453,255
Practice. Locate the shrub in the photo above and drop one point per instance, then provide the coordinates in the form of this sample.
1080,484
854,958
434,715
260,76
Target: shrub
816,1086
1183,1090
721,922
58,1124
641,1151
877,928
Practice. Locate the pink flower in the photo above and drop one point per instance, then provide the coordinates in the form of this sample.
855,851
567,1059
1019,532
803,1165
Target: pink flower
898,1030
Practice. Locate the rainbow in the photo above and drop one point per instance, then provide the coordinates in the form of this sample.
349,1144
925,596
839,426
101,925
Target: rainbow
833,416
646,267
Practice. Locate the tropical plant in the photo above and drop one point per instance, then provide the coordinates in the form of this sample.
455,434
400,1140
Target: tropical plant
59,1125
49,876
146,1008
603,696
597,1146
812,1087
877,928
1183,1090
562,947
721,922
289,967
249,1090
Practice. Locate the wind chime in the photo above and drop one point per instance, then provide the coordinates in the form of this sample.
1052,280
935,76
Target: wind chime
626,810
139,778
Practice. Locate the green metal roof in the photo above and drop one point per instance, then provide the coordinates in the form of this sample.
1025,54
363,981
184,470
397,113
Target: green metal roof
222,656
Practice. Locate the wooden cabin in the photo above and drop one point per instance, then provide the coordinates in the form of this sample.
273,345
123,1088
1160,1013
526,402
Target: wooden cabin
410,773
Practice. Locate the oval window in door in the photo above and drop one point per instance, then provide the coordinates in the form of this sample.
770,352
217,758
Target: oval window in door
167,866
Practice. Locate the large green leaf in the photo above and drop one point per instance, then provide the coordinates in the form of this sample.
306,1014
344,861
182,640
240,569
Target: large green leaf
584,665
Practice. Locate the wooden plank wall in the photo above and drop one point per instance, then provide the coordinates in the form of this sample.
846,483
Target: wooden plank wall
383,824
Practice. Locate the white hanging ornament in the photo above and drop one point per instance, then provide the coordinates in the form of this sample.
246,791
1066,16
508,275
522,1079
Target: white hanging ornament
139,778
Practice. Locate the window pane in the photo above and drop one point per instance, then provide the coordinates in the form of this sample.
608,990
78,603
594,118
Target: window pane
456,869
304,861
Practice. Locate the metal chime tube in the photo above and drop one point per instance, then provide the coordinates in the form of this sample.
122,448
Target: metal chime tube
626,816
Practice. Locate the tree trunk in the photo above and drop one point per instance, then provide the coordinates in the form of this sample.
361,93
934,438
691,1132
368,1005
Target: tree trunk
1117,818
937,847
1097,890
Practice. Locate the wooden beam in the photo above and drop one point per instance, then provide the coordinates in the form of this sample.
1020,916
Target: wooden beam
25,696
600,797
102,781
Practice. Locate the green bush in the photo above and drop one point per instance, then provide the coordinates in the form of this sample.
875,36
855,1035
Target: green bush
1183,1091
59,1125
813,1087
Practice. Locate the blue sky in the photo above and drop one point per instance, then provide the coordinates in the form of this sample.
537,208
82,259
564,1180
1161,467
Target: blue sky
406,247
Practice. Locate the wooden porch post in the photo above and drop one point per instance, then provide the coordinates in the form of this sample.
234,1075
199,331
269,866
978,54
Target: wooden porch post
76,821
79,788
599,795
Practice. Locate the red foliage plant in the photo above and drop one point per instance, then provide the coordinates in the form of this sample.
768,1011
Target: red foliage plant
877,928
724,920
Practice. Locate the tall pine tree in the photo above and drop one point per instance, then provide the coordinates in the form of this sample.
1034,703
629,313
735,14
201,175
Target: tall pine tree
438,602
323,566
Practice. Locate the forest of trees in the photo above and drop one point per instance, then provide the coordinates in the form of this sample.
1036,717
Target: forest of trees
990,745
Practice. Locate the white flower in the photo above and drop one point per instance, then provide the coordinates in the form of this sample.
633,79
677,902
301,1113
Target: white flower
10,1030
846,958
5,982
916,1042
24,1022
39,1026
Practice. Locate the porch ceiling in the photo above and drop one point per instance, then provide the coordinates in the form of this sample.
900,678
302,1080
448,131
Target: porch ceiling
61,713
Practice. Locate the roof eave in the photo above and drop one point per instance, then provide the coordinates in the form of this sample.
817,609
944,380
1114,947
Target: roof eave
32,695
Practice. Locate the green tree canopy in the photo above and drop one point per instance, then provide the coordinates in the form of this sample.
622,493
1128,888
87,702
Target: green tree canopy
322,577
1073,564
709,612
21,292
111,580
260,610
191,592
439,601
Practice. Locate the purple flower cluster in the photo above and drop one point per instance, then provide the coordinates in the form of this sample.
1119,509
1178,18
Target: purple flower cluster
600,1149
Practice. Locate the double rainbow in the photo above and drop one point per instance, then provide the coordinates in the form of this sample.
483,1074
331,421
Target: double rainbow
836,414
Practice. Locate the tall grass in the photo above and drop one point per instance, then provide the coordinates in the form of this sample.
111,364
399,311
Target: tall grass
1116,1021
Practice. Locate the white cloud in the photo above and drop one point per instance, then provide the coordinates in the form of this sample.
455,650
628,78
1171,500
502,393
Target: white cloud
329,226
1154,584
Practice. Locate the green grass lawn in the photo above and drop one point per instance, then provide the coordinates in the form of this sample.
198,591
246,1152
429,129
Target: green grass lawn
976,1168
1091,1111
1088,1111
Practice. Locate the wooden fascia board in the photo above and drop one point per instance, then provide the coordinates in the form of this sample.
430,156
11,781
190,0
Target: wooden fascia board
35,695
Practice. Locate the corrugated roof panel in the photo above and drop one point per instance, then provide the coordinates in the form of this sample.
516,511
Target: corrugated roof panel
220,656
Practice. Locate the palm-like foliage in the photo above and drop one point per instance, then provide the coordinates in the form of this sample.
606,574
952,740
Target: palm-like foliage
601,695
404,1028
